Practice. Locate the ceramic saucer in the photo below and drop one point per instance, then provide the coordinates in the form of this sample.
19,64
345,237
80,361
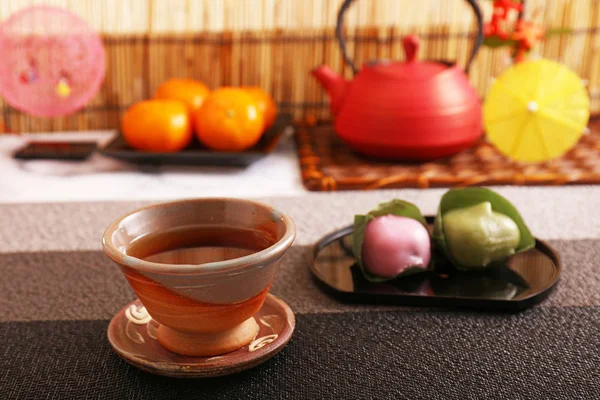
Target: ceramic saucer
132,334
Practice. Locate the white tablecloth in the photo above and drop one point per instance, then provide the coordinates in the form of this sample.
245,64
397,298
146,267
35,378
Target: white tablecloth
103,178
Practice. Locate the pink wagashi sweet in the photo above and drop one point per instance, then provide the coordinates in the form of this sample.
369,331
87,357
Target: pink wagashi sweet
53,63
394,244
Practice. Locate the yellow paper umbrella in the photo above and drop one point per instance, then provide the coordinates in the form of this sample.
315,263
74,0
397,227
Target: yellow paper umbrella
536,110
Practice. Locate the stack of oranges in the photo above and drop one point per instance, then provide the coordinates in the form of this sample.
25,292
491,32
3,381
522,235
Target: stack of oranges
226,119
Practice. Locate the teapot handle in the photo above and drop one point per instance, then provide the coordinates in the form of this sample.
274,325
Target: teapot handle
347,3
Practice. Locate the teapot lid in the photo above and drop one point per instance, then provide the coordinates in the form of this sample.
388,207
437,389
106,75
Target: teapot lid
411,68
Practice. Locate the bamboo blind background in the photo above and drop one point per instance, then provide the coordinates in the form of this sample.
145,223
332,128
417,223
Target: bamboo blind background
275,43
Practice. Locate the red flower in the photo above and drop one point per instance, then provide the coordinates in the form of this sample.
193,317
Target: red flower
493,28
502,7
528,34
520,54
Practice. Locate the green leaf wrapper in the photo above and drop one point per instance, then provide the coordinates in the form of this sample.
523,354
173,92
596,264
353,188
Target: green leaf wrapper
396,207
467,197
495,42
558,31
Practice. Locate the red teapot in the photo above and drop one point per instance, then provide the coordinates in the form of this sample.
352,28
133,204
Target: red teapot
411,110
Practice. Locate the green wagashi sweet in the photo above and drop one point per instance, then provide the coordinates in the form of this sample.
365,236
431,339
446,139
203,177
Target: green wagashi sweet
477,236
476,227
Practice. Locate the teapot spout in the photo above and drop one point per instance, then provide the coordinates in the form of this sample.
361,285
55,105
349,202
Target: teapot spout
334,84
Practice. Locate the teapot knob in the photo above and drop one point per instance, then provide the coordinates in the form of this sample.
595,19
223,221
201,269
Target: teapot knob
411,47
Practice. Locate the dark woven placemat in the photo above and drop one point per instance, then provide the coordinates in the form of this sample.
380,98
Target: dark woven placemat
59,291
546,353
328,164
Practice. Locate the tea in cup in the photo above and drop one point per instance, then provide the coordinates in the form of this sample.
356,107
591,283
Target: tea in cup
202,268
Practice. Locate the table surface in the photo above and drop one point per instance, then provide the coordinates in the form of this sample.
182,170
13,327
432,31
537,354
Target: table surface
104,178
59,292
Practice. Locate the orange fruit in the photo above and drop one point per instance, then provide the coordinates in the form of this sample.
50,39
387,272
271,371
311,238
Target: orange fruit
229,120
189,91
157,125
266,104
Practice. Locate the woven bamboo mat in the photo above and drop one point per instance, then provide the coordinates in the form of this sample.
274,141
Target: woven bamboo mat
217,42
328,164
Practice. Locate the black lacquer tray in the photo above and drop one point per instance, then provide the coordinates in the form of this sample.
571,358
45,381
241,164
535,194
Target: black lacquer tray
524,280
196,154
55,150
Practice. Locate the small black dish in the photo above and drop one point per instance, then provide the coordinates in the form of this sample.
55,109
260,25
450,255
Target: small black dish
197,154
55,150
524,280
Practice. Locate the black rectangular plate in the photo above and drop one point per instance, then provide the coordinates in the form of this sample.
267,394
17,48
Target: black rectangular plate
55,150
197,154
524,280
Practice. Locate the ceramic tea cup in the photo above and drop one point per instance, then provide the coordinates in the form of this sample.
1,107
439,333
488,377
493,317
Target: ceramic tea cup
201,267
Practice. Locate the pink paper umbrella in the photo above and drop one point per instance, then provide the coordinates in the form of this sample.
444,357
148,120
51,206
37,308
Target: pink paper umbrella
51,62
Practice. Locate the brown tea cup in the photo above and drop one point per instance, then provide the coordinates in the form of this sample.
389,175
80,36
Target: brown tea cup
202,268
